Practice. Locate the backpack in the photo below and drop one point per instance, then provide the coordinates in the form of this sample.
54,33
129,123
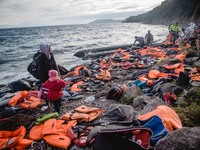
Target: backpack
32,67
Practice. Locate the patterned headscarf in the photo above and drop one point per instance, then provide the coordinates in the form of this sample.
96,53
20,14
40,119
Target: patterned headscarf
45,48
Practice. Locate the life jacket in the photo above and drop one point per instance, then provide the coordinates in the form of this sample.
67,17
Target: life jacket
77,71
144,78
14,139
54,132
104,75
26,100
157,127
125,55
17,98
153,74
178,67
126,65
168,40
30,102
106,63
168,116
79,135
75,88
181,56
195,74
83,113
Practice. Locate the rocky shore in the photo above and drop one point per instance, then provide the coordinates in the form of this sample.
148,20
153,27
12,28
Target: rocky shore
143,99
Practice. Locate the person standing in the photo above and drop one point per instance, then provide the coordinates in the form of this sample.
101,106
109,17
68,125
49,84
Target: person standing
140,40
55,89
149,38
45,62
174,30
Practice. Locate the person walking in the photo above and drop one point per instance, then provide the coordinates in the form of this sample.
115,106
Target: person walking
148,38
55,87
174,30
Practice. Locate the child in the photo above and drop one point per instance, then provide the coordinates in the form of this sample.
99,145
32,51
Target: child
55,86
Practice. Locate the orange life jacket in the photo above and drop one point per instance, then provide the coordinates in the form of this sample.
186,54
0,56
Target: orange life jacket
179,67
168,116
104,75
17,98
195,74
144,78
83,113
30,102
75,88
14,139
153,74
54,132
169,38
25,99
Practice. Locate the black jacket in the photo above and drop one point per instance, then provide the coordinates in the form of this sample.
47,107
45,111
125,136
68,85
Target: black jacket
44,65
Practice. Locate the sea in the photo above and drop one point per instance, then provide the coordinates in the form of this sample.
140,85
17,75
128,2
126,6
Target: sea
18,45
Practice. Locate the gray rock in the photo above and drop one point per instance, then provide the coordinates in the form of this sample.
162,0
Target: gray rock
169,61
131,93
181,139
140,101
152,105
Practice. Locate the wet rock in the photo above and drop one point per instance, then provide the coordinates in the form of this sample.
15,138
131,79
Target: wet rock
182,139
188,107
193,95
172,88
140,101
152,105
129,95
169,61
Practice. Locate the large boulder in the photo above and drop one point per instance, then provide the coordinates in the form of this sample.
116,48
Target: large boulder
189,107
181,139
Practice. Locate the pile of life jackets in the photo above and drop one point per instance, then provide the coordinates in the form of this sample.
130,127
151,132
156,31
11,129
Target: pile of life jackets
54,132
14,140
26,100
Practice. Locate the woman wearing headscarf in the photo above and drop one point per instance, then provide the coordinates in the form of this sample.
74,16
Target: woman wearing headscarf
45,62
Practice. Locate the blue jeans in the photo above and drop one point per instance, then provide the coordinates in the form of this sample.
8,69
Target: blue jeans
174,37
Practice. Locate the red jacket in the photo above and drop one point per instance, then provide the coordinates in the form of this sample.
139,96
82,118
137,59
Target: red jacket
55,89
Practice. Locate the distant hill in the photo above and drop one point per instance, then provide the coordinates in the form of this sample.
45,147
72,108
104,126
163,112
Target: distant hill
106,21
183,11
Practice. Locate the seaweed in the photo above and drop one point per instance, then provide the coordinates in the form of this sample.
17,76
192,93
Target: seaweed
189,115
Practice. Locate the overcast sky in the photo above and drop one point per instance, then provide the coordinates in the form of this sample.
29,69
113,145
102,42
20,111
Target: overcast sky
22,13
